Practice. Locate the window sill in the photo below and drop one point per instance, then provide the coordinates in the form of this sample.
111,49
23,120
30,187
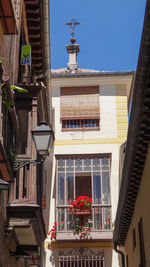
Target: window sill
105,235
80,129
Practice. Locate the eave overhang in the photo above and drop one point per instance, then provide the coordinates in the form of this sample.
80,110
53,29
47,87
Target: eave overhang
33,16
7,17
38,31
137,140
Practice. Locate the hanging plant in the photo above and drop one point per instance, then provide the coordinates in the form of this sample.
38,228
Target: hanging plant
56,226
9,104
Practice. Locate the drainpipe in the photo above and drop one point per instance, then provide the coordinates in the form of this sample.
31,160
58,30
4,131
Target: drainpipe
46,34
121,253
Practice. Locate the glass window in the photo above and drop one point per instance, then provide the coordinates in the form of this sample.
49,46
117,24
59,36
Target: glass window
61,165
61,189
78,164
61,216
89,176
97,218
80,123
69,165
97,188
96,164
87,164
107,218
105,188
70,187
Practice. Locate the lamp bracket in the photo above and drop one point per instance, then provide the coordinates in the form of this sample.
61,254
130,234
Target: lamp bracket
20,163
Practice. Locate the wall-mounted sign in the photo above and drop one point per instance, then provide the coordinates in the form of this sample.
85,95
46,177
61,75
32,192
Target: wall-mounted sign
26,55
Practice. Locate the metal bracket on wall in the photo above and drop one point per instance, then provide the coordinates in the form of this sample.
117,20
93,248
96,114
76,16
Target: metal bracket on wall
18,164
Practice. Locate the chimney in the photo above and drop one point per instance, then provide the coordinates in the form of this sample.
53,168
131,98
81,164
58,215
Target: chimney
72,50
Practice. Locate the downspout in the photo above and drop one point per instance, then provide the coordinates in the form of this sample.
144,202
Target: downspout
121,253
46,34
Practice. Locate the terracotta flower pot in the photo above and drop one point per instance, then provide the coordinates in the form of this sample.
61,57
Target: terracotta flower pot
82,211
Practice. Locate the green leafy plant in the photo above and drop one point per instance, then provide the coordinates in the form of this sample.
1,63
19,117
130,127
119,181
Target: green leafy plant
19,89
12,155
3,58
8,102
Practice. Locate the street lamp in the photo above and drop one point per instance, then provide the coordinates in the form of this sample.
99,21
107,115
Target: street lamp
43,137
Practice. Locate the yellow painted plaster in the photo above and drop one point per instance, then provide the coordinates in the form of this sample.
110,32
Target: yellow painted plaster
122,106
121,86
121,110
53,244
121,119
89,141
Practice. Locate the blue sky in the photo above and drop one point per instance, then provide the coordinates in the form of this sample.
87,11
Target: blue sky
109,37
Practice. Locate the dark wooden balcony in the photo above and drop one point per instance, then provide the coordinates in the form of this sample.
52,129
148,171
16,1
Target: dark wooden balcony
24,213
100,215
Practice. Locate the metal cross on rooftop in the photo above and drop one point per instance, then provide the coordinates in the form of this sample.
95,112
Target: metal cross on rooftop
73,23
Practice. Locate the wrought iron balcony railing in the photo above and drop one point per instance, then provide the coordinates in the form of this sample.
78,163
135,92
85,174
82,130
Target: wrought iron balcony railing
100,216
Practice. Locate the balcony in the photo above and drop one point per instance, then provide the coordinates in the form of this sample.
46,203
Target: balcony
100,216
24,213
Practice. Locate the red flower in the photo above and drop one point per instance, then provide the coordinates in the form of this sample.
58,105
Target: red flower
81,201
108,220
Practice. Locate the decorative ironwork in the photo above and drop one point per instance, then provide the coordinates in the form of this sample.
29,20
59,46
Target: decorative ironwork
20,163
52,258
81,252
73,23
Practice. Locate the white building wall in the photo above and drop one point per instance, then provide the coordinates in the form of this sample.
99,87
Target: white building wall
70,143
108,125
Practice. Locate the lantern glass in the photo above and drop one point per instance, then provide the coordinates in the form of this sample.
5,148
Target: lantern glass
42,135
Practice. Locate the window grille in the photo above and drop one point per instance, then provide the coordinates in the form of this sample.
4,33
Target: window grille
79,261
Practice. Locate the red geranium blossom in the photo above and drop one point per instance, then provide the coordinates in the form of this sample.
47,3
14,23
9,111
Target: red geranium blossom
81,201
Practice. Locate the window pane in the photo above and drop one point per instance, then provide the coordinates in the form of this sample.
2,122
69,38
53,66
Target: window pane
106,218
97,188
69,165
105,161
61,193
70,220
76,123
70,187
97,218
105,188
87,164
61,165
61,217
78,164
96,164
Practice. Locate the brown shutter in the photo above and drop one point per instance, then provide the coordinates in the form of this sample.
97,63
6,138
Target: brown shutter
79,102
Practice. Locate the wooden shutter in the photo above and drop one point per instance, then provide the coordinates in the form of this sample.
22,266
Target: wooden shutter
79,102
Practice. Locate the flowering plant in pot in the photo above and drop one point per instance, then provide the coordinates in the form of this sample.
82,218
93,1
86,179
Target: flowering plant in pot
81,201
83,231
